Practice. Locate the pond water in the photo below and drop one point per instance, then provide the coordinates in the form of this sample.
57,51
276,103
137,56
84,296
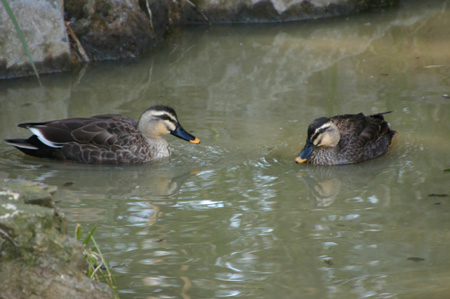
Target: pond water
235,216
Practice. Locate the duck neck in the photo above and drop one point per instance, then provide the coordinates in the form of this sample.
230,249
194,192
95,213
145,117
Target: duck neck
159,147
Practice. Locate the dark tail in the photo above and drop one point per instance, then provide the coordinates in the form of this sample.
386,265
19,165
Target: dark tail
379,115
21,144
32,146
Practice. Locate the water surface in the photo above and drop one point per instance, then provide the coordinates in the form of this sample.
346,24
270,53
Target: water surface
234,216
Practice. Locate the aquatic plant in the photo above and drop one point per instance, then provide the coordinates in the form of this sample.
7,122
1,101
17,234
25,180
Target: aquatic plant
97,267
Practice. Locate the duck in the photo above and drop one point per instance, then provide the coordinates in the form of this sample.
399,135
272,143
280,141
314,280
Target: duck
346,139
104,139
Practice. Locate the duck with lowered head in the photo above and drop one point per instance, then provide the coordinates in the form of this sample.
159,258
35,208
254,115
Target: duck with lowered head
346,139
104,139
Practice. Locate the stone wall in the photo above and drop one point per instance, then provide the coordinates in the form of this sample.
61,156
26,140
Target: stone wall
117,29
263,11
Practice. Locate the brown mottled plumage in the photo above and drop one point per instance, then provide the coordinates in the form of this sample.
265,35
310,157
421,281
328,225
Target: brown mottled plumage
346,139
104,139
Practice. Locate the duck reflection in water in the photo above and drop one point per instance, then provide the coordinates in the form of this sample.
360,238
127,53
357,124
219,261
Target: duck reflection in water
324,191
123,190
326,184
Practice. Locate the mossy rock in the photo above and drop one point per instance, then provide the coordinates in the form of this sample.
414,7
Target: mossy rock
37,258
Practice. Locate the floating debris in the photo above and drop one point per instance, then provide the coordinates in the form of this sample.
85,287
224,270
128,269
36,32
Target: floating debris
328,262
433,66
415,259
445,95
438,195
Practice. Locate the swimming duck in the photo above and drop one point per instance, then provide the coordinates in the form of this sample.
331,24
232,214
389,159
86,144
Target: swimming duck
104,139
346,139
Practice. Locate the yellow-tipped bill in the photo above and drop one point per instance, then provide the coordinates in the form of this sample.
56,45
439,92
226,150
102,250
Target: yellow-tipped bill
181,133
300,160
196,140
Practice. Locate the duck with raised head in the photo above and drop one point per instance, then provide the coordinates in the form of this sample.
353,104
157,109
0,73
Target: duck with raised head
104,139
346,139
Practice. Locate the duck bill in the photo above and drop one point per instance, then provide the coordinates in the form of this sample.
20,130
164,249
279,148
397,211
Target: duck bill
307,150
181,133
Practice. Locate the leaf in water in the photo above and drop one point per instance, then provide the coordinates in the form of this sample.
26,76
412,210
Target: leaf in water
447,170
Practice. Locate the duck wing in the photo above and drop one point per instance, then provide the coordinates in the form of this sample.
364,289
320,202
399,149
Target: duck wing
375,129
99,130
350,127
359,129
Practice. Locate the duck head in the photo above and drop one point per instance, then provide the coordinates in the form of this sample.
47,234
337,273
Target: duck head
322,132
159,120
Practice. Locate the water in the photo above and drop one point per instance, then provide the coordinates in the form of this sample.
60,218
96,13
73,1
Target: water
234,216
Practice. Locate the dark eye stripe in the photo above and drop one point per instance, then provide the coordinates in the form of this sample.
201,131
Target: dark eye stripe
166,117
314,137
323,130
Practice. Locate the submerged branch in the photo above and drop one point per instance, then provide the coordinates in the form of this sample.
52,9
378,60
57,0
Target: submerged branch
78,47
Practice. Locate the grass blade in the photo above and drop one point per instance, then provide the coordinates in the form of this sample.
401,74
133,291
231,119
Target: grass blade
78,232
111,278
88,237
93,256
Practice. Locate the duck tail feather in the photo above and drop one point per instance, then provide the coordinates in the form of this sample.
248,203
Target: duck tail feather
21,143
380,115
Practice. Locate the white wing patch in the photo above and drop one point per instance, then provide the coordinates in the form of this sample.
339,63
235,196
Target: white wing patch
45,140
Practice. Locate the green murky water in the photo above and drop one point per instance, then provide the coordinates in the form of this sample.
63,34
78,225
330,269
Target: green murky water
234,216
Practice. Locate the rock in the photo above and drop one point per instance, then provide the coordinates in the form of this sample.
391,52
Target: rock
42,24
250,11
37,258
111,29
